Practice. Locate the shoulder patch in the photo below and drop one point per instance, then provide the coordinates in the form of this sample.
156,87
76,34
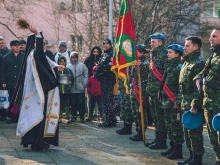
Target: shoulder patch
180,65
201,58
145,62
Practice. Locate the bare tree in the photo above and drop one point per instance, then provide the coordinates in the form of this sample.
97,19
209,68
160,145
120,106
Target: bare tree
15,9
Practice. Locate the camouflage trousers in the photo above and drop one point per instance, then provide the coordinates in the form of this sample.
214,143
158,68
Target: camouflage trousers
157,114
136,113
125,107
174,127
213,135
194,139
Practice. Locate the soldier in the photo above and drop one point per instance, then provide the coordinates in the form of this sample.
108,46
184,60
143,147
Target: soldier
144,65
170,102
158,58
125,106
193,64
211,88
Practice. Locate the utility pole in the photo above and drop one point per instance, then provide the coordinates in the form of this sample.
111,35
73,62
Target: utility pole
110,19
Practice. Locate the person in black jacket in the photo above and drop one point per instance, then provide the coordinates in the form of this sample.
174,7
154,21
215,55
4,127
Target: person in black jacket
47,52
93,59
3,48
23,44
2,112
107,79
10,69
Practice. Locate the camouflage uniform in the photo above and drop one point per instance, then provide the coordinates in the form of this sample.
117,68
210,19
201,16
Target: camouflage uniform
134,103
174,126
211,99
193,64
125,105
159,58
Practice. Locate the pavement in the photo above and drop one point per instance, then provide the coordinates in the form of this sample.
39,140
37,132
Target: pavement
86,144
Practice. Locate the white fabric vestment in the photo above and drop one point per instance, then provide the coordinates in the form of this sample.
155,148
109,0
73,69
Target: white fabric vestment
32,106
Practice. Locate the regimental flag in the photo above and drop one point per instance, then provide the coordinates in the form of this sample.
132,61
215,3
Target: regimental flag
124,48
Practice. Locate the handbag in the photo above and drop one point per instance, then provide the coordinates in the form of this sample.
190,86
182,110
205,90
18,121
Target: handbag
4,99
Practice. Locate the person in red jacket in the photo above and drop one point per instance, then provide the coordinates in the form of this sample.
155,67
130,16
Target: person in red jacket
94,89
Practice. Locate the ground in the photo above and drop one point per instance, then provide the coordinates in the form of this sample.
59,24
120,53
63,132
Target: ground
86,144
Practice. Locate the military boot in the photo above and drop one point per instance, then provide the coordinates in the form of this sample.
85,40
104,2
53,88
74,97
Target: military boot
168,151
138,136
126,130
154,141
177,152
187,161
161,142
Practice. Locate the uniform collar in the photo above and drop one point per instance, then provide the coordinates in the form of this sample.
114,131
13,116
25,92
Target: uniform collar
216,49
192,55
159,48
174,61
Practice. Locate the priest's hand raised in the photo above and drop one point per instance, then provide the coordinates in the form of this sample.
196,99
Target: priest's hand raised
33,30
60,68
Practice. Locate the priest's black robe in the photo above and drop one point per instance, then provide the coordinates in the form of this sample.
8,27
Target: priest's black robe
48,82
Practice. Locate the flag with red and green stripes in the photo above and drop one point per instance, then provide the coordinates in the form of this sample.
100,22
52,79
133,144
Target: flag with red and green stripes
124,47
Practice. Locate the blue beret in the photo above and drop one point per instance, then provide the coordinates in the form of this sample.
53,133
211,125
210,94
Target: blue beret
216,122
192,121
158,36
176,47
140,46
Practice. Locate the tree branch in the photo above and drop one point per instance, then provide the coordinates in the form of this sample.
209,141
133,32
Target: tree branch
9,30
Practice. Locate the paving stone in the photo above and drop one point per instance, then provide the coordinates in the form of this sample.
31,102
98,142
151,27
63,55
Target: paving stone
86,144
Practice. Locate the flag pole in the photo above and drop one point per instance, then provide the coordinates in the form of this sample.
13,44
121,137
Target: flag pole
141,104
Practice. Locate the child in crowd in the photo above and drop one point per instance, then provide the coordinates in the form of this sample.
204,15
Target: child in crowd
65,79
94,89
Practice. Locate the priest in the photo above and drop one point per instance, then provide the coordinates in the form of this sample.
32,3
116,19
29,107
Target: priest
40,103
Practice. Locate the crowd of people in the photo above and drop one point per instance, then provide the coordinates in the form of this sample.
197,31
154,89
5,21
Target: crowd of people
174,80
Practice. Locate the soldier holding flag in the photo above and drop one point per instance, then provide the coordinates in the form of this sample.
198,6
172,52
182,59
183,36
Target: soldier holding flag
143,63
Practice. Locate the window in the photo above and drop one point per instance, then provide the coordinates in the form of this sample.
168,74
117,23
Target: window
77,41
210,9
77,5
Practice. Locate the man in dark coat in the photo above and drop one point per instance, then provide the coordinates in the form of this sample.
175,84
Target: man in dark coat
3,48
10,69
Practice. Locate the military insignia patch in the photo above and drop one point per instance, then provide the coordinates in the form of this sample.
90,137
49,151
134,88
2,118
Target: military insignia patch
126,46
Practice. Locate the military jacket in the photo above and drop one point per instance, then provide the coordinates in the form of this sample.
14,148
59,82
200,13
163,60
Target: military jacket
211,90
159,57
144,70
172,72
193,65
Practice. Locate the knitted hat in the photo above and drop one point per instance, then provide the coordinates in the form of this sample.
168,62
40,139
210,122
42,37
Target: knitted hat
62,43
